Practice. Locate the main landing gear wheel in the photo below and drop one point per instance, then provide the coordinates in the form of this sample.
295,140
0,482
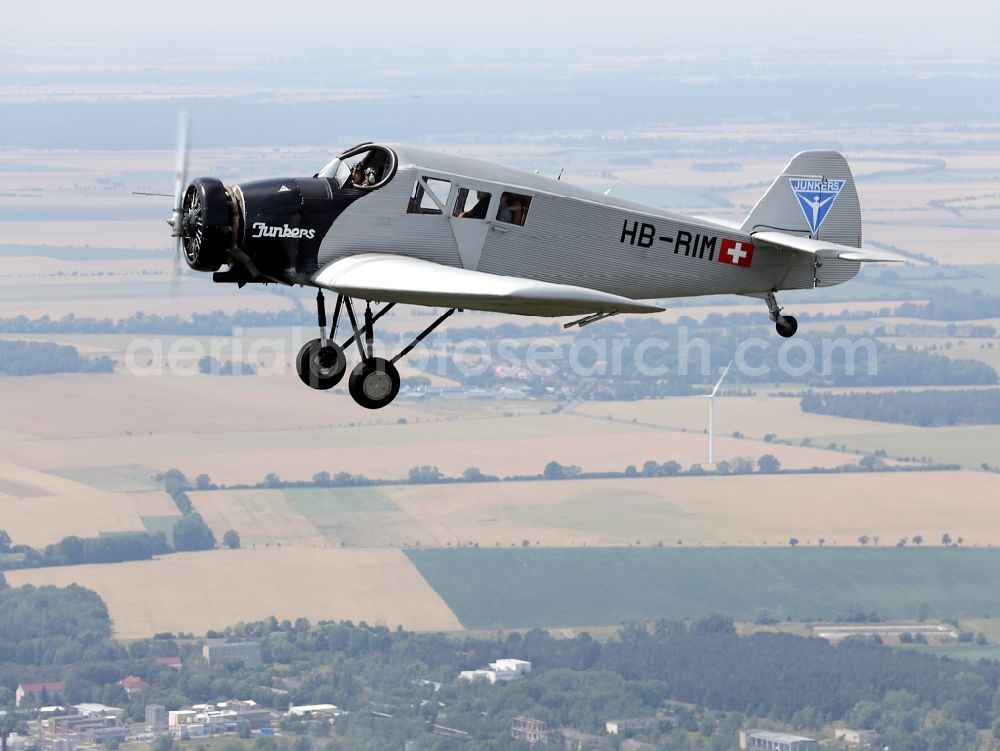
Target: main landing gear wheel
321,367
786,326
374,383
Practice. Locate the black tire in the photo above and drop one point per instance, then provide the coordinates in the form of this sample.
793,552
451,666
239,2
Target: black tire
374,383
786,326
321,367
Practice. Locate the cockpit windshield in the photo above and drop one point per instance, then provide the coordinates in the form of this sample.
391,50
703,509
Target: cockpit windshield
366,166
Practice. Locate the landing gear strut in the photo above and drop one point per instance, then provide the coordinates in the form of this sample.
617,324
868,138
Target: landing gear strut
374,382
321,362
786,326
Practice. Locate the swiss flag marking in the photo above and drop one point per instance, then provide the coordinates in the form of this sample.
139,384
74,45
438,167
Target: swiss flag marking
736,253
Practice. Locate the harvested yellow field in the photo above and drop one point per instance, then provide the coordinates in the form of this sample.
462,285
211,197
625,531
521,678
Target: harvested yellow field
41,521
196,592
164,406
262,517
754,510
239,429
153,503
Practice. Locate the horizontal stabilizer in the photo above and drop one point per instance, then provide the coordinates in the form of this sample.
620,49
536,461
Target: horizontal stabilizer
391,278
823,249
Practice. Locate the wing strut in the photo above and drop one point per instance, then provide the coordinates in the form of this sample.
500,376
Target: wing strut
420,337
592,318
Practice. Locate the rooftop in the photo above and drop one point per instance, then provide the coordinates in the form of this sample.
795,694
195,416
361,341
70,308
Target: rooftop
770,735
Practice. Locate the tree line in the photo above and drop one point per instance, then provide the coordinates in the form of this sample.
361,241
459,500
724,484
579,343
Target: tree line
22,358
924,408
73,550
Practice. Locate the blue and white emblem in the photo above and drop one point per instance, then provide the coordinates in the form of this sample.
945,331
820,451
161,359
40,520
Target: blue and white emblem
815,196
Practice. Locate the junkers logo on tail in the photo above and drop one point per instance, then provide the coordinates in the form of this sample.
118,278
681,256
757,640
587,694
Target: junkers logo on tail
815,196
266,230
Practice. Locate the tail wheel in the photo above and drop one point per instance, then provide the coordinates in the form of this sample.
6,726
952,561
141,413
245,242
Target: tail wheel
321,367
374,383
786,326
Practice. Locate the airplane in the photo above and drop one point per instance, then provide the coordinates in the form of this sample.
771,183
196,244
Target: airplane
393,224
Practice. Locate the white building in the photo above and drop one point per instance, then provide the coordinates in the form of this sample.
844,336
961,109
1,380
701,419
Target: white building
313,711
771,741
500,671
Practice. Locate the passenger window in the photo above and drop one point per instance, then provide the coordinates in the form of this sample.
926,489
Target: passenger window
472,204
513,208
429,196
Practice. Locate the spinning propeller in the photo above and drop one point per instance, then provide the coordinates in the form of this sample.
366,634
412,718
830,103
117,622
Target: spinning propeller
180,228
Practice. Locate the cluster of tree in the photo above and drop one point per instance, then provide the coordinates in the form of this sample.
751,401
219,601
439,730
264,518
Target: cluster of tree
51,626
19,358
190,532
211,366
948,304
924,408
72,550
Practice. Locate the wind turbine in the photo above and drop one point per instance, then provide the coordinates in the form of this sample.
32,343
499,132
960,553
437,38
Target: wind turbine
711,412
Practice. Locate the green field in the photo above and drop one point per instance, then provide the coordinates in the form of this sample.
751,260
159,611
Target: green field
321,501
164,524
551,587
116,479
968,446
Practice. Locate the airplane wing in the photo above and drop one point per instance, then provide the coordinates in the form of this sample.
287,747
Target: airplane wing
823,249
391,278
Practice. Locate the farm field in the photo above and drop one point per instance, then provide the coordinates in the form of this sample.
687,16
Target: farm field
38,509
757,416
576,588
699,511
195,592
239,429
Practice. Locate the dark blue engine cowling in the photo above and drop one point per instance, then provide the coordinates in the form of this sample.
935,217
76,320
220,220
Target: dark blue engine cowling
285,221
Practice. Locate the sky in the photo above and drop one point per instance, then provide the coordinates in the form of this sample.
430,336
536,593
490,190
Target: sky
186,28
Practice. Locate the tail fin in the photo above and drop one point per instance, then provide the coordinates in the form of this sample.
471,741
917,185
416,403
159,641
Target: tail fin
814,196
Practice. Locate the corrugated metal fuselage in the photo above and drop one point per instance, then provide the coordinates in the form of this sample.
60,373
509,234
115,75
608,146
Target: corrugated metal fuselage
570,236
589,242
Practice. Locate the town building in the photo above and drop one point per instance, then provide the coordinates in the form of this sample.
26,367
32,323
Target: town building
633,725
247,652
99,710
529,730
171,662
771,741
855,737
156,715
204,719
500,671
133,685
576,740
33,691
314,711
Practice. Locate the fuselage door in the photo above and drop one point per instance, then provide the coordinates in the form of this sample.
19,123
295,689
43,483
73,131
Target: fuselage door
469,224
